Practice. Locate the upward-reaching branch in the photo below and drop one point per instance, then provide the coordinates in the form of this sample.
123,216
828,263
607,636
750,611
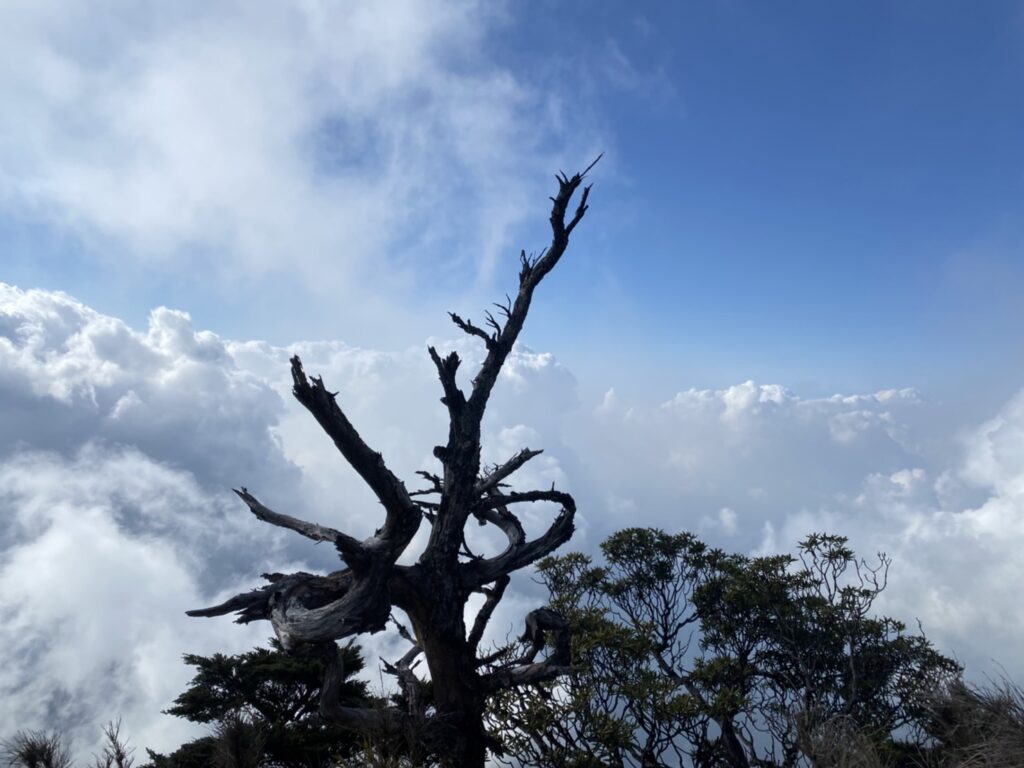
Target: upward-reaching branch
491,481
532,273
461,456
403,517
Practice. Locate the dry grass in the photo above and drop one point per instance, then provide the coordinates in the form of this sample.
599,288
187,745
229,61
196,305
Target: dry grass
964,726
35,749
980,727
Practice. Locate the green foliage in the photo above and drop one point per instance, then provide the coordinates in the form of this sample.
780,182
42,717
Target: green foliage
264,701
687,653
199,753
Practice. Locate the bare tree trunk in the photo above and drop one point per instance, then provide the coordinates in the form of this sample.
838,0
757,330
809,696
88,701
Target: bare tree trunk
318,610
458,699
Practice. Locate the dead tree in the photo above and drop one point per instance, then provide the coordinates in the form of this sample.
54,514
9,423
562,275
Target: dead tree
306,609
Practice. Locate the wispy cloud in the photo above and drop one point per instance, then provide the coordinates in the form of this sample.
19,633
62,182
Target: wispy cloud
239,142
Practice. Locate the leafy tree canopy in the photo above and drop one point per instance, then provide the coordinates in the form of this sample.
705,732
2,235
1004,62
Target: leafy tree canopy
687,653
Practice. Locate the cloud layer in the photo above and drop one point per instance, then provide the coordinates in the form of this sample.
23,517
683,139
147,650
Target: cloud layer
120,446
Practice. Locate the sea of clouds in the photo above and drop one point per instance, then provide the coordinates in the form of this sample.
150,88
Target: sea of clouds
120,447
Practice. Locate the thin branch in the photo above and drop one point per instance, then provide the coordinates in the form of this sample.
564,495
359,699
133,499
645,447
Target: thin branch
473,330
531,273
436,484
494,595
350,549
505,650
493,323
490,481
403,631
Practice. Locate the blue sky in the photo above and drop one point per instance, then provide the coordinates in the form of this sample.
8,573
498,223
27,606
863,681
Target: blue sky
793,306
821,195
845,178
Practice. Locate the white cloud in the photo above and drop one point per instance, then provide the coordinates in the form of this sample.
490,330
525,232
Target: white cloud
102,555
747,446
69,375
116,459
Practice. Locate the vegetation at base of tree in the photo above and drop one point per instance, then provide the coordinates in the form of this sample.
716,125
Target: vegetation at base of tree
684,653
264,707
679,651
35,749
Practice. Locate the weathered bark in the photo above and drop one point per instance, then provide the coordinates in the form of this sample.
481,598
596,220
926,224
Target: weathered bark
308,609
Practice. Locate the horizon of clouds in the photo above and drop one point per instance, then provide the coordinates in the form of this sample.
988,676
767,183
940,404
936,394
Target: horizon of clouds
124,444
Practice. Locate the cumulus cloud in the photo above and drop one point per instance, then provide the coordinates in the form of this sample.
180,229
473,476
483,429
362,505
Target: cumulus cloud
69,374
744,447
118,451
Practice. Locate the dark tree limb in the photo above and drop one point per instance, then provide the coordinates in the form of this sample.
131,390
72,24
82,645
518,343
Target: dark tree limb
305,608
363,719
414,689
539,624
257,604
446,370
251,606
403,517
520,555
505,520
494,500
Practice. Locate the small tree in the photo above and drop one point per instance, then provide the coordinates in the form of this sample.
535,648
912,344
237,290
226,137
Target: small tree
305,609
269,699
115,753
690,655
